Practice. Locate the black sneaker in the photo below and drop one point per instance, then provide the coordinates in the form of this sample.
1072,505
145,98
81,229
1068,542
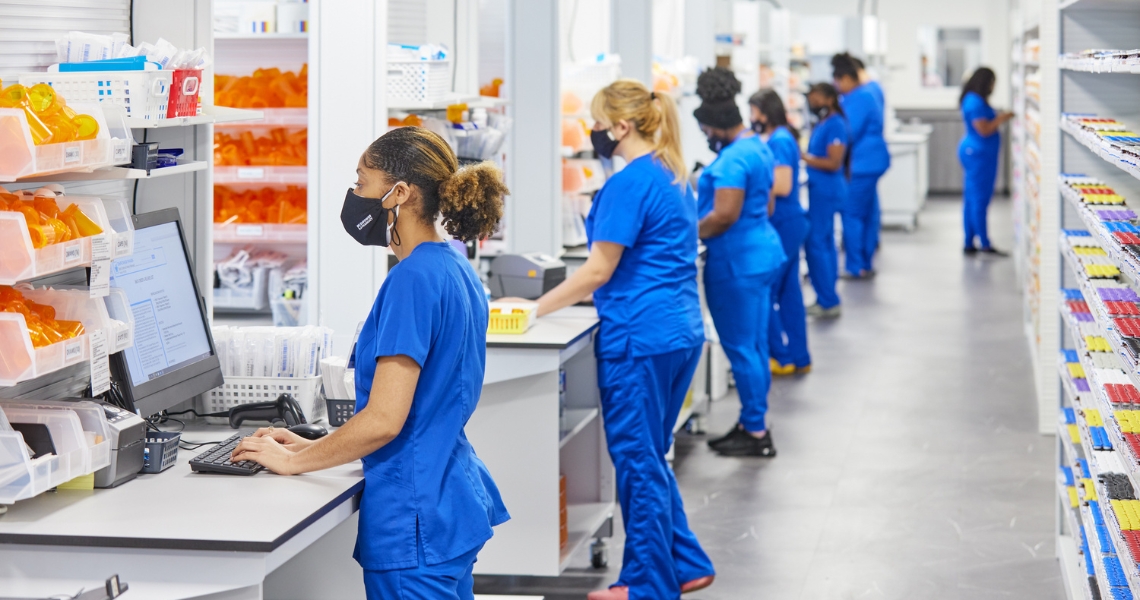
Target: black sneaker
969,250
994,252
748,445
736,431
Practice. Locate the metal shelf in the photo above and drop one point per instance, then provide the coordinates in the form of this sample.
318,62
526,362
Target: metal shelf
210,114
1098,4
113,173
262,36
578,419
583,521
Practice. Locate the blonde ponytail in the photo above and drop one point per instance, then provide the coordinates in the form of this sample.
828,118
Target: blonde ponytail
653,115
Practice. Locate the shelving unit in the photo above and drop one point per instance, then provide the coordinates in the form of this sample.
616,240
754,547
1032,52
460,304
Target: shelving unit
1081,81
111,173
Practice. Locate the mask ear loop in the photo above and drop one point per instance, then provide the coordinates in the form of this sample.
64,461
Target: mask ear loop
393,233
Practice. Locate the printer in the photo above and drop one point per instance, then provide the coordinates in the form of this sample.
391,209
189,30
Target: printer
525,275
127,434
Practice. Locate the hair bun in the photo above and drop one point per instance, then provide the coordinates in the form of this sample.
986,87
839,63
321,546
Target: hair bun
717,85
471,201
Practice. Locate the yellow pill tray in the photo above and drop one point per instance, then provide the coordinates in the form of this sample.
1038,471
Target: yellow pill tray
511,317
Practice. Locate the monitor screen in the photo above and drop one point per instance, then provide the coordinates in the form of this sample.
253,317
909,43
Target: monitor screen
173,357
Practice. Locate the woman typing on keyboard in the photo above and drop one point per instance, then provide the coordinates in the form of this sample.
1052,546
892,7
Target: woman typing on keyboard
429,503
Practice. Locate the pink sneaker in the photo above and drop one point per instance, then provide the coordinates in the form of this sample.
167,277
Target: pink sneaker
618,592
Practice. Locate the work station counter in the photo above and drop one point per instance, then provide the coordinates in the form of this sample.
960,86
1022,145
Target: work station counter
180,534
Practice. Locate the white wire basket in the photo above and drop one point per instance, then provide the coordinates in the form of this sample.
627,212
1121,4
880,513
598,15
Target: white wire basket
246,390
143,94
418,80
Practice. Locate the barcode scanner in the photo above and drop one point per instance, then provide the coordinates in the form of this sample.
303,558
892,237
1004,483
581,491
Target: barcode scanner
283,409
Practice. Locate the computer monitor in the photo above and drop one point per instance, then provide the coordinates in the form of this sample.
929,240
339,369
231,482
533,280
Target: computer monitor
173,357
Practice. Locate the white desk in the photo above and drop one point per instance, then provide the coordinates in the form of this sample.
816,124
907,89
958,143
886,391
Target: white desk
902,190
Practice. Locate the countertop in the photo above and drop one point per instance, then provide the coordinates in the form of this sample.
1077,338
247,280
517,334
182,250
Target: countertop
556,331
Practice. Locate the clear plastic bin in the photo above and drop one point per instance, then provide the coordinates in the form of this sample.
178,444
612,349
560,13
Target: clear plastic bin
66,435
20,361
111,313
251,298
122,332
20,261
143,94
122,228
22,158
93,422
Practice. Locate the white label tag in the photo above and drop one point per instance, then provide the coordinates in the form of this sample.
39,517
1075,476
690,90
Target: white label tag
100,281
251,173
72,154
122,336
122,245
72,350
100,367
73,252
250,230
121,154
101,247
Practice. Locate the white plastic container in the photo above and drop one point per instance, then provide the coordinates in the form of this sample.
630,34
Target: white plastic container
22,158
143,94
96,447
66,435
122,228
245,390
251,298
22,477
122,333
20,361
20,261
418,81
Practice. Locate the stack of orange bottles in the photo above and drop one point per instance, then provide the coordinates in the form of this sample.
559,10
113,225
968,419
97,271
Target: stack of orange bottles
266,88
46,223
266,205
50,119
43,327
280,148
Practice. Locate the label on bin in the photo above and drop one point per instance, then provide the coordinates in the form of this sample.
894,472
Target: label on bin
122,245
250,230
122,336
251,173
72,350
100,367
72,154
73,252
100,280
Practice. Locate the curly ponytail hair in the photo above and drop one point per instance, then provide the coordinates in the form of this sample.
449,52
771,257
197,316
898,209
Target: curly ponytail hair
470,199
717,88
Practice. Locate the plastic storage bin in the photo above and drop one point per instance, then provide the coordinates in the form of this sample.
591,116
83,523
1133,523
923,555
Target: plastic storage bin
92,421
339,411
122,227
184,93
513,318
66,435
20,261
22,477
418,81
22,158
251,298
161,451
144,94
122,327
20,361
245,390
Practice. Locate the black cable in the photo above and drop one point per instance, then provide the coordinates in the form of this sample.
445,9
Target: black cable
199,415
135,195
131,22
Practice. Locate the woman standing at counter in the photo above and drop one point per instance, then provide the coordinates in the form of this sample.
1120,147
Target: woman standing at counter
429,503
979,153
642,272
744,254
825,158
788,319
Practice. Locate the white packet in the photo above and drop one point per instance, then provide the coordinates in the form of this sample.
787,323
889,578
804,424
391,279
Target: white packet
118,42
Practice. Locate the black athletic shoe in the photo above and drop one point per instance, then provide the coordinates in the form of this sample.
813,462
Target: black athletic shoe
747,445
969,251
736,431
994,252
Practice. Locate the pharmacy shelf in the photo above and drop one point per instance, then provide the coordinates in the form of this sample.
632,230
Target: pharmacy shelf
1102,150
441,104
1076,582
576,420
113,173
1098,4
260,233
210,115
261,175
304,35
1097,65
583,521
273,117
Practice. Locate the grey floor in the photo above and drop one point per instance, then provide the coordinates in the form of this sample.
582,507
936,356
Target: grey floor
909,462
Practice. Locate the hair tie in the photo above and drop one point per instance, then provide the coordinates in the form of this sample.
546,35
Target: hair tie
652,95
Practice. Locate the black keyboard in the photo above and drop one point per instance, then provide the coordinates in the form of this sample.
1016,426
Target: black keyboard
217,460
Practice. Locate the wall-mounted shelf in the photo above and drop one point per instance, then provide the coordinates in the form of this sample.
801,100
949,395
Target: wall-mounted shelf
265,233
271,117
113,173
1098,4
408,105
210,114
262,175
262,36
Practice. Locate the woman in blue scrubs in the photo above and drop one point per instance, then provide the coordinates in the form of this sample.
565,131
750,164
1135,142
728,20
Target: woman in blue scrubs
787,325
826,159
429,503
642,272
870,159
744,254
978,153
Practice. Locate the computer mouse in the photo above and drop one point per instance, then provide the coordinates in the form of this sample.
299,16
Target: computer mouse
309,431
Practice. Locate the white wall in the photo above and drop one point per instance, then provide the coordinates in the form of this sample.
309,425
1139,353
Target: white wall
904,17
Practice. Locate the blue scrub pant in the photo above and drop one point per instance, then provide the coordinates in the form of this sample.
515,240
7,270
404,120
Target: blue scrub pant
641,399
450,580
740,309
820,251
861,223
787,324
981,170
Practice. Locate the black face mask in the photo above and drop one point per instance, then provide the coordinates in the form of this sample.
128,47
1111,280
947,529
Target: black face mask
758,127
820,112
717,144
604,145
366,219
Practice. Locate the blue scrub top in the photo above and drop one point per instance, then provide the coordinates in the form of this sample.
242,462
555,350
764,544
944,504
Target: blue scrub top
650,305
830,131
786,152
751,245
869,154
976,107
877,91
431,308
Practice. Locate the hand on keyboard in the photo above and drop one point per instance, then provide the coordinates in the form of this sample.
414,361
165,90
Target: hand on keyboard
217,459
265,450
